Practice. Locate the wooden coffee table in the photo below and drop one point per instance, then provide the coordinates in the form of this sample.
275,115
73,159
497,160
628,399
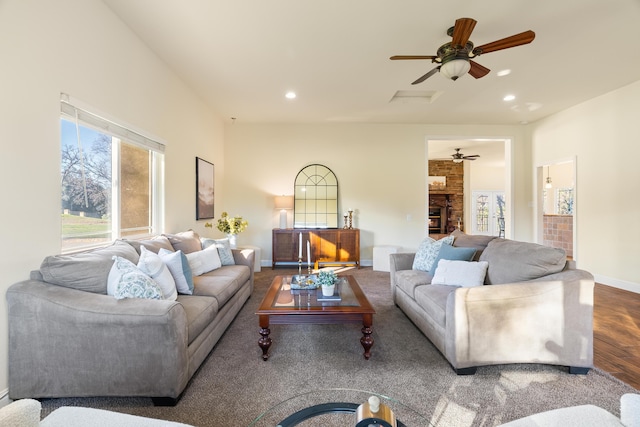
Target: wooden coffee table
282,305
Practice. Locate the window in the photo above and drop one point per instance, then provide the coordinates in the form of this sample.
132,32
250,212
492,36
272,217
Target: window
112,180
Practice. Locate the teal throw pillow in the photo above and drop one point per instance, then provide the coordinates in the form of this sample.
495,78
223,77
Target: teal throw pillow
452,253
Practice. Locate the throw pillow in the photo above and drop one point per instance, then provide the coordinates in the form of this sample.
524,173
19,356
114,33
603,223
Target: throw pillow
460,273
186,241
224,249
453,253
428,252
127,281
204,261
179,267
151,264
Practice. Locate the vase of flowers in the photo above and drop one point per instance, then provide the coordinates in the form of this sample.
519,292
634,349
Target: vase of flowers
327,280
231,226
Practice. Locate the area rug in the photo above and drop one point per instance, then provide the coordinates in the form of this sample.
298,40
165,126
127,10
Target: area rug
234,385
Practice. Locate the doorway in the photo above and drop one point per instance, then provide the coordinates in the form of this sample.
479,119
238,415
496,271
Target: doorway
492,169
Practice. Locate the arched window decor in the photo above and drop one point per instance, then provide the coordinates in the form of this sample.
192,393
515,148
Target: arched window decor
316,198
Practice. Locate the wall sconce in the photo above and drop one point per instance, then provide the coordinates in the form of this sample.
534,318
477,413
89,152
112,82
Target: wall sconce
284,203
548,184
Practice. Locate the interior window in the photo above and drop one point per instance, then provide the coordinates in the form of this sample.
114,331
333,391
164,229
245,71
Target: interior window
111,185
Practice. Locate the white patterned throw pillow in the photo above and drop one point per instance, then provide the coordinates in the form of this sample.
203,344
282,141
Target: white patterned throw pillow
151,264
428,252
224,249
127,281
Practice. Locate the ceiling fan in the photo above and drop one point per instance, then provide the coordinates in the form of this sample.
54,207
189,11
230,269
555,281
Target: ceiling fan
454,58
458,157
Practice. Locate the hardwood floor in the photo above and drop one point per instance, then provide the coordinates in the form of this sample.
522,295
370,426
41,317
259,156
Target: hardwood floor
616,333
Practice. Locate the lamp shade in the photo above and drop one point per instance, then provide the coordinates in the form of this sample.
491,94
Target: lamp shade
455,68
284,202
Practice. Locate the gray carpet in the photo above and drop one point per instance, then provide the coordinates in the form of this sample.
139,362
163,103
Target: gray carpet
235,385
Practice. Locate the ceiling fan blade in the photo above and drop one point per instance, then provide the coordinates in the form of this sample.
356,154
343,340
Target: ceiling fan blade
513,41
426,76
396,57
462,31
471,157
477,70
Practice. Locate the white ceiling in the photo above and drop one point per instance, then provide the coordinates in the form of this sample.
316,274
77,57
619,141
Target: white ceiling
242,56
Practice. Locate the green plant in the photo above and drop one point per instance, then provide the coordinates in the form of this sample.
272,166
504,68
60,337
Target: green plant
231,224
327,278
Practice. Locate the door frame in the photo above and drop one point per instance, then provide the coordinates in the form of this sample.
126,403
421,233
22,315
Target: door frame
509,178
539,183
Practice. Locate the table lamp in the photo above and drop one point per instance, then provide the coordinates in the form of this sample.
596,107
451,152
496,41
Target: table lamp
284,203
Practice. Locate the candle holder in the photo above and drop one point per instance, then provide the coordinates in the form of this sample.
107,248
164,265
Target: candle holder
299,266
350,219
346,226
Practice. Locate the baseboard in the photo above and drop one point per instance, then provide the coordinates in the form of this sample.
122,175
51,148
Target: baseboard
4,398
617,283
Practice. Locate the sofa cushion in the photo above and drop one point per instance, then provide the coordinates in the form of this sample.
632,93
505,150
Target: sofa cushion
408,280
222,283
428,252
154,245
152,265
200,311
186,241
204,261
127,281
224,249
460,273
449,252
86,271
178,265
479,242
533,261
433,299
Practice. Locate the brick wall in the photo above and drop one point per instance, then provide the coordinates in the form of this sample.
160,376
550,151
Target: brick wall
455,186
558,232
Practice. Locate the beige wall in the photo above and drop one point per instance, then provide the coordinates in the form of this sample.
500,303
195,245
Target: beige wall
381,171
79,47
604,136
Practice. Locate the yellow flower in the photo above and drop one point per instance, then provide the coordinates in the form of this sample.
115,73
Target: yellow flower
231,224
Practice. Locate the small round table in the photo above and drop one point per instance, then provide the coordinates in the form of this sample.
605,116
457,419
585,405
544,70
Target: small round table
333,407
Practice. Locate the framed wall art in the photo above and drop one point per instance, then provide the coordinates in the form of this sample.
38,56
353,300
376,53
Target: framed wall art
204,189
437,182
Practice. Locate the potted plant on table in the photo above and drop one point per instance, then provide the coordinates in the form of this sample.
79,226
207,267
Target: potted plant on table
231,226
327,280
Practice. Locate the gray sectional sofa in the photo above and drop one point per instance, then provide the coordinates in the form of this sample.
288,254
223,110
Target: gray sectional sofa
533,306
68,338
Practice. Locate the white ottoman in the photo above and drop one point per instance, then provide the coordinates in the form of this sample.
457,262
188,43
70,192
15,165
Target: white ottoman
258,254
381,256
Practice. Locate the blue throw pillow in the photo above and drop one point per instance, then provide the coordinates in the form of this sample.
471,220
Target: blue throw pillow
452,253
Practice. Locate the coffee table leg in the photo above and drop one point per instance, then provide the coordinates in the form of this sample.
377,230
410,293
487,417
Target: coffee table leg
367,330
264,342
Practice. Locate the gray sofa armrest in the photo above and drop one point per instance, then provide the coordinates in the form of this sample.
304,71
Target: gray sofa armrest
66,342
245,257
398,262
549,320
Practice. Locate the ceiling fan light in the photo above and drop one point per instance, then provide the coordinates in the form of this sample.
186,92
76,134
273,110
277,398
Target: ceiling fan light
455,68
457,160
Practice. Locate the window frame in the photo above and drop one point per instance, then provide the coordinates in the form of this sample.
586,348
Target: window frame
86,116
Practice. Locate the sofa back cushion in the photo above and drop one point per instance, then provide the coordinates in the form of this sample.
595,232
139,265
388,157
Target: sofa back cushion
478,242
186,241
154,245
86,271
511,261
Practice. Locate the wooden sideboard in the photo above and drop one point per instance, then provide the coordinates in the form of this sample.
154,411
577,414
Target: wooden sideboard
328,245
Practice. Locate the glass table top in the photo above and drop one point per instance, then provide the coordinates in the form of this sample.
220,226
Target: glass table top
287,296
334,407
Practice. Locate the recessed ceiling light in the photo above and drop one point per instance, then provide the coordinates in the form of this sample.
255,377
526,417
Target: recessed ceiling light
503,73
509,98
290,95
